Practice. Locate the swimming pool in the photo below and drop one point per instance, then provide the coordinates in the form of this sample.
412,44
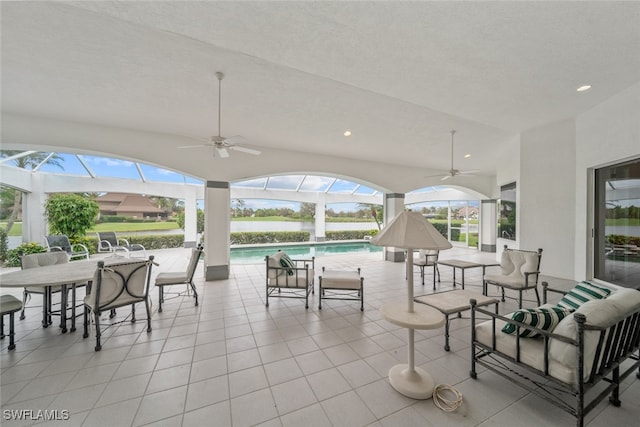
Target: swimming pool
256,254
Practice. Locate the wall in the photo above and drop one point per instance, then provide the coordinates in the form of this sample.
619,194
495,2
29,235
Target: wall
547,196
606,134
509,171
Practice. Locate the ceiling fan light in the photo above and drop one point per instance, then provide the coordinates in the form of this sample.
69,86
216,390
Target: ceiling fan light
583,88
466,156
347,133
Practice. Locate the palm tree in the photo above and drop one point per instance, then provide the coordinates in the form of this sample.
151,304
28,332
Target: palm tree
29,161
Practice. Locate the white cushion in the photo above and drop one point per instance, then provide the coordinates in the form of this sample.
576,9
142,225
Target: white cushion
298,280
423,260
171,278
531,350
599,313
335,279
273,263
627,300
111,287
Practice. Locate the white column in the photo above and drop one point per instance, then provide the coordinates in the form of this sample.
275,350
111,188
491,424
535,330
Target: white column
34,222
217,230
393,205
321,206
190,217
488,225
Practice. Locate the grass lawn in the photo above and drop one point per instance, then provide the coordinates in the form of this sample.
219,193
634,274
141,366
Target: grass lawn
623,221
284,218
134,226
270,218
16,229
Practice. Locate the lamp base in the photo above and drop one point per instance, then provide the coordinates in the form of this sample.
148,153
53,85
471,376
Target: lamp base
416,384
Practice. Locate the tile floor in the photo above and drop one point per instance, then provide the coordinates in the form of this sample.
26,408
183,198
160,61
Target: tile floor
233,362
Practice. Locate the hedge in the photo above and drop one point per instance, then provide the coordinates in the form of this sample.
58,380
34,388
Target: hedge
349,234
619,239
149,241
129,219
442,228
249,238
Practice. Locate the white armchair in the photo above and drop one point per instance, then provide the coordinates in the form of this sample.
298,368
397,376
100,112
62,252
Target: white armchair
519,271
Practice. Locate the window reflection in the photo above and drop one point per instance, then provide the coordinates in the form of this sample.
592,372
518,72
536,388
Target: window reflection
617,224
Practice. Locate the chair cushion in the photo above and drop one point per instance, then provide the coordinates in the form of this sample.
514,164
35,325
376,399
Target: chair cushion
545,318
43,259
273,264
426,257
336,279
508,281
287,263
581,293
515,263
9,304
171,278
599,312
298,280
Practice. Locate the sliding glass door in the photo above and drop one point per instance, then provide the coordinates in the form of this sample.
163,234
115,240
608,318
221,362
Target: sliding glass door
617,224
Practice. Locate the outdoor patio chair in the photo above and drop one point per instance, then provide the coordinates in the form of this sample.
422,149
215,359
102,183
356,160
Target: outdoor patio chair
519,271
289,278
109,242
427,258
179,277
118,285
60,242
8,306
40,260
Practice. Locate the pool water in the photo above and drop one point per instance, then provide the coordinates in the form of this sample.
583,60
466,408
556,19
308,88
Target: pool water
256,254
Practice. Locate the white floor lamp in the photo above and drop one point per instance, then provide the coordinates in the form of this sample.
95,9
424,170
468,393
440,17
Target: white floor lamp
410,230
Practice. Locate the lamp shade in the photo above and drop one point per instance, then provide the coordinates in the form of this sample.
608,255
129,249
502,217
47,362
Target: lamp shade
410,230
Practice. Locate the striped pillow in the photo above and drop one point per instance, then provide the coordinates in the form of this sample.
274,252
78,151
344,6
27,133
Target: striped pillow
541,318
287,263
583,292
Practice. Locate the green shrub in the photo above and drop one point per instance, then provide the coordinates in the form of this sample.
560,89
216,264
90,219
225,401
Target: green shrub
149,241
442,227
13,255
349,234
249,238
4,242
619,239
70,214
111,218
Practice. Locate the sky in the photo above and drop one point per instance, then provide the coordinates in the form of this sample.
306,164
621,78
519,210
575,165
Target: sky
117,168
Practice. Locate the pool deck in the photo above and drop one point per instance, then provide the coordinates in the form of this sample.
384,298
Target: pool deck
233,360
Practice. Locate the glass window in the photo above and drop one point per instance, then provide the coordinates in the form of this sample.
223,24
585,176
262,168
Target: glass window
507,212
617,224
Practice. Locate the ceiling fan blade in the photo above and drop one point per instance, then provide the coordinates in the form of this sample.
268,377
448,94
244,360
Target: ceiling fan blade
236,139
222,152
244,150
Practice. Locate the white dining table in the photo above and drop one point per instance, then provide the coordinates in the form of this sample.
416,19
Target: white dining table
66,275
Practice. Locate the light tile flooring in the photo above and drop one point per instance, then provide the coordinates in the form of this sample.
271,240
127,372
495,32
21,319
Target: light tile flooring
233,362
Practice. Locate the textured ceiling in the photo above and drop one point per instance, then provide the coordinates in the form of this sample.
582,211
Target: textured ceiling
399,75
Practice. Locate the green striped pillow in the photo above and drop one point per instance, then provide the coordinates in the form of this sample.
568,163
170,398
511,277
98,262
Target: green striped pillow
541,318
583,292
287,263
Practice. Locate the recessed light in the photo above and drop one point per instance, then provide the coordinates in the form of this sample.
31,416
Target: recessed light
466,156
583,88
347,133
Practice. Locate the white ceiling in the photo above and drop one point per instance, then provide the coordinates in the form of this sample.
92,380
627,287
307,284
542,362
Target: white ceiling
399,75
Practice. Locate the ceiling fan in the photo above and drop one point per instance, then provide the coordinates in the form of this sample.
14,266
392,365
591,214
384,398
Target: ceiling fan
451,173
223,145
